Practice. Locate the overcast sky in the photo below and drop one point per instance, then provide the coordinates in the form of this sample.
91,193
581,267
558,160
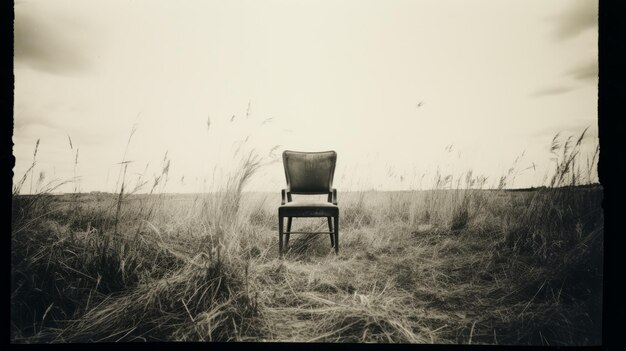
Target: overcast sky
397,88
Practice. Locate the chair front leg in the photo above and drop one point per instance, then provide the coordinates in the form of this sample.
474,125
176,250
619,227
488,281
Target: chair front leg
330,229
288,232
337,235
280,236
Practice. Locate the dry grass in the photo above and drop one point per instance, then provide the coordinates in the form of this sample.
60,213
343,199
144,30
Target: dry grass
456,264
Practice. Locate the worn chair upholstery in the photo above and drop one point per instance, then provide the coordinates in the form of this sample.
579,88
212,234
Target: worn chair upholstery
309,173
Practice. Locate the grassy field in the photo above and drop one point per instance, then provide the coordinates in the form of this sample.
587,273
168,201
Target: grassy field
457,264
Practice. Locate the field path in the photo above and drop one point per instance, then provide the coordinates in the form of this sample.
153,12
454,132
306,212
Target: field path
385,291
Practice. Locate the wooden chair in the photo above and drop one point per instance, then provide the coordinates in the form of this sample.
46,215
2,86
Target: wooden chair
309,173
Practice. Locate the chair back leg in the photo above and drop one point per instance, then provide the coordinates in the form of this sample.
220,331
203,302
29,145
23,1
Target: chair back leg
330,229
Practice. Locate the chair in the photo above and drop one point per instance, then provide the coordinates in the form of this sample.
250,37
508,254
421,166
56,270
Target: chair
309,173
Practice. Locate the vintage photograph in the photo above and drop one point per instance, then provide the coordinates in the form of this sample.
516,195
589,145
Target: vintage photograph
295,171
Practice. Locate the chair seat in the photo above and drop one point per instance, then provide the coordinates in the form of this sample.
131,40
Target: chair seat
308,204
308,208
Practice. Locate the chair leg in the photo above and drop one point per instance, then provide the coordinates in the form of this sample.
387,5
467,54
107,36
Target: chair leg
288,231
336,235
330,229
280,236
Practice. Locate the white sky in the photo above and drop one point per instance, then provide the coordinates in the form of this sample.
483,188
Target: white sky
496,78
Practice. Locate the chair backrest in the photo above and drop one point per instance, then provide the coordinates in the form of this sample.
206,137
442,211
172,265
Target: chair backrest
309,172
